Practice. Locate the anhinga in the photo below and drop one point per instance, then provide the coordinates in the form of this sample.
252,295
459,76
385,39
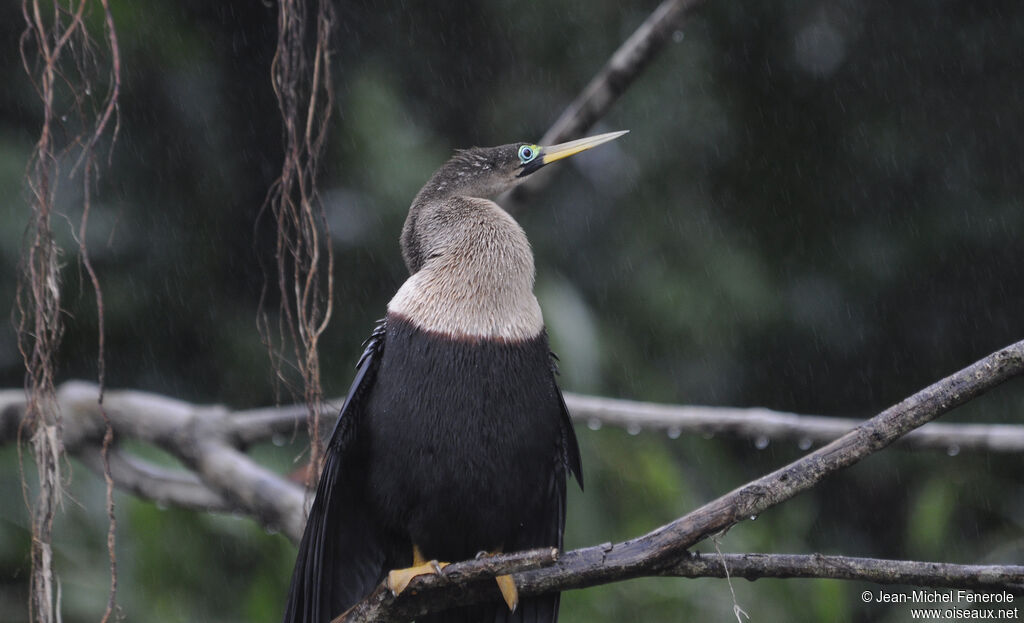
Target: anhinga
454,439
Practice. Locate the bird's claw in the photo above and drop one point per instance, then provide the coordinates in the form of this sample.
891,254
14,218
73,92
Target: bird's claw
398,579
509,592
506,584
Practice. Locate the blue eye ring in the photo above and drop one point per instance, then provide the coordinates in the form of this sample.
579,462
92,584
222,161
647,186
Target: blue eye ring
528,153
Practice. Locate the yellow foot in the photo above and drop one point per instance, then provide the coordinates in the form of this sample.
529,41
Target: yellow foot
398,579
508,591
506,584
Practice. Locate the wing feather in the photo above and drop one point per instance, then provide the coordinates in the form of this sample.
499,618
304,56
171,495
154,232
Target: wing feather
341,556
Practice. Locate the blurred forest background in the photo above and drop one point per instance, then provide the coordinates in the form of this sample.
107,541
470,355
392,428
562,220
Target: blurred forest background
818,209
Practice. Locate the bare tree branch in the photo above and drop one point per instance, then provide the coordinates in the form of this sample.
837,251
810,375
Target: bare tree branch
149,482
755,423
224,479
434,592
764,425
160,420
628,62
879,571
244,428
632,57
663,548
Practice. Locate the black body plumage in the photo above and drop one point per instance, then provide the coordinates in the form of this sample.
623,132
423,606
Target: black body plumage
456,445
454,438
484,439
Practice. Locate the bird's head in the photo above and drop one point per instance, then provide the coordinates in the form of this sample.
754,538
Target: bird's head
440,210
486,172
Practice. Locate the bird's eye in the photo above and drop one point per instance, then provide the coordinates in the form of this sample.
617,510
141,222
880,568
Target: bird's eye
527,153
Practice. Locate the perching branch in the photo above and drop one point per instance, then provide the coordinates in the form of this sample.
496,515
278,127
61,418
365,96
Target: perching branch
432,593
661,550
435,592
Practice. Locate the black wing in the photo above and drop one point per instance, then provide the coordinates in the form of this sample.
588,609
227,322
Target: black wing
570,447
341,557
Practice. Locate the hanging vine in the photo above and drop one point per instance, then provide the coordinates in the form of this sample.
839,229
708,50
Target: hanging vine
301,77
59,55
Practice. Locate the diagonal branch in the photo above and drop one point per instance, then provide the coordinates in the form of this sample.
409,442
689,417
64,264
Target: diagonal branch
628,62
663,548
604,89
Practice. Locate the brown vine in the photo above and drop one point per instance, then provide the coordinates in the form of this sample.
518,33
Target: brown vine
58,54
304,90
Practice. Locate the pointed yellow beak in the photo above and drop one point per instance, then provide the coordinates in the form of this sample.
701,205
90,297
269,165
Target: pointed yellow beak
564,150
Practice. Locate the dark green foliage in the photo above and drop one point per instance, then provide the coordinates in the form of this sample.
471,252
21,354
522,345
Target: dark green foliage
818,209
